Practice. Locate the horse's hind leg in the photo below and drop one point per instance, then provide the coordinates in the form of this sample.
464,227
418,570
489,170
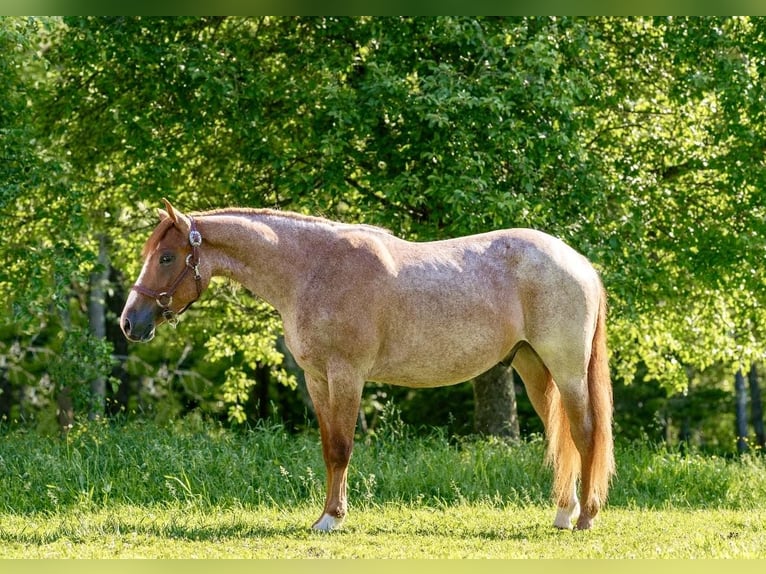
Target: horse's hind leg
587,400
575,401
337,409
592,434
562,453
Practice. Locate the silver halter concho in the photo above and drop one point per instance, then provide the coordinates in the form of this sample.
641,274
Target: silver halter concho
165,298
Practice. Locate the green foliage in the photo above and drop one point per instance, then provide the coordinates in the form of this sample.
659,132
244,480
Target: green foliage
245,340
82,358
637,140
51,362
42,218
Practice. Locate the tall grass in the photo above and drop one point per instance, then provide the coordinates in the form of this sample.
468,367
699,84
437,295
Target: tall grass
100,464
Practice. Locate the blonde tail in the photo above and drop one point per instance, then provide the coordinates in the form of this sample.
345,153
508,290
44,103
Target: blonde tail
600,395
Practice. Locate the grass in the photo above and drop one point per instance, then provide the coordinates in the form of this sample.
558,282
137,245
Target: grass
392,531
196,490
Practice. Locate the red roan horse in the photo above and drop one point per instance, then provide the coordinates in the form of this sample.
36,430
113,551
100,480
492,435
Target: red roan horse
359,304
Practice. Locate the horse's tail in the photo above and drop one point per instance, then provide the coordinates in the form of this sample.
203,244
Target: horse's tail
562,453
600,402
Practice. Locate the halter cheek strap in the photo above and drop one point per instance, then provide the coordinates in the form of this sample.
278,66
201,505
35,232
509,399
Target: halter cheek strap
165,298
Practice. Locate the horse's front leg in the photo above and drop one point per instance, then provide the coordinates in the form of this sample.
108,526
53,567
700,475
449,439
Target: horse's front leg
337,406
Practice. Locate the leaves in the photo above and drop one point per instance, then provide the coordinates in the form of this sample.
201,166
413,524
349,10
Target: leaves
640,141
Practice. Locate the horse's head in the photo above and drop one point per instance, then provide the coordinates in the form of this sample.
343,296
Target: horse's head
170,279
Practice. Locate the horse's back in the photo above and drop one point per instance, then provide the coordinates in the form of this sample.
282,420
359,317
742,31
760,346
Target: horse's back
490,266
433,313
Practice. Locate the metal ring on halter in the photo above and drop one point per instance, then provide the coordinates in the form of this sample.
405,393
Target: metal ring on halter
163,305
195,238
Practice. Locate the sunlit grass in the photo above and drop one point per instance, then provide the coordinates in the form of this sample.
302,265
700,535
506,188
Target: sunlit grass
390,531
195,489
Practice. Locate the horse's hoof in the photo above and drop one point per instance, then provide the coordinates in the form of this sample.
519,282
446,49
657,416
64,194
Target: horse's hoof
565,516
327,523
563,522
584,522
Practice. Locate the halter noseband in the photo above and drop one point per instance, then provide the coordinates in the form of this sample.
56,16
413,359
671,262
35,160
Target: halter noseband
165,298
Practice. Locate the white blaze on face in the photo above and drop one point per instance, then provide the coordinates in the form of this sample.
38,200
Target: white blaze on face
140,280
130,303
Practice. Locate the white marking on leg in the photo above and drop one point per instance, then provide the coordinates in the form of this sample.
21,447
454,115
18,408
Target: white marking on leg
566,515
327,523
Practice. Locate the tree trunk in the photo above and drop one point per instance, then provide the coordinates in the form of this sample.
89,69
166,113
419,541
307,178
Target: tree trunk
115,299
495,403
64,402
99,280
685,430
7,396
740,394
65,410
261,390
756,406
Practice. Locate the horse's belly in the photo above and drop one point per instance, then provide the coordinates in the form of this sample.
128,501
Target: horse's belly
431,360
424,376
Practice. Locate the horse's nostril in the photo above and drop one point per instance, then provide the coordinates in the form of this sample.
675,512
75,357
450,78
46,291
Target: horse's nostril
126,325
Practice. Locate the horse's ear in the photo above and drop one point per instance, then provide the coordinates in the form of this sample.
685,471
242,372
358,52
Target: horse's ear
177,217
168,211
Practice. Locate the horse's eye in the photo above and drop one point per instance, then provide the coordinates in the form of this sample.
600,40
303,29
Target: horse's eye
167,258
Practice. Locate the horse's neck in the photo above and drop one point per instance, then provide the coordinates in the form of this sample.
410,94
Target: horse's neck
261,252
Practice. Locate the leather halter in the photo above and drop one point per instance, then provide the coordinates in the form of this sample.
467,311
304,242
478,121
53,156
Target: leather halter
165,298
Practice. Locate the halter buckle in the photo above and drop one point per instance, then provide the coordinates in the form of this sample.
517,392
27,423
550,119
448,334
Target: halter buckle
194,267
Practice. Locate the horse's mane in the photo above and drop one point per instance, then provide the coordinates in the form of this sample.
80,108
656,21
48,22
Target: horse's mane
290,215
164,226
156,236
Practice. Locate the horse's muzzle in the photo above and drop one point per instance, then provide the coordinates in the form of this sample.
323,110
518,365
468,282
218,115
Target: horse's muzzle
137,330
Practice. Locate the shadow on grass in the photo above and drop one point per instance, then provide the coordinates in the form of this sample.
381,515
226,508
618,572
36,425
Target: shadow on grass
142,526
82,529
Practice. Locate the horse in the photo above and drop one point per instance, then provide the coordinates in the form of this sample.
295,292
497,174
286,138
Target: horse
360,304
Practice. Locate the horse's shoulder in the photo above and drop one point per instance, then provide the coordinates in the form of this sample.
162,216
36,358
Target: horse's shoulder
364,247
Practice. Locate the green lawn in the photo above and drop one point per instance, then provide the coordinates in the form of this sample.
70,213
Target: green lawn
196,490
392,531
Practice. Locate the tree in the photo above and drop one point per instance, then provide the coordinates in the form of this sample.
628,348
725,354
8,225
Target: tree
756,406
740,393
99,282
495,403
637,140
42,259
